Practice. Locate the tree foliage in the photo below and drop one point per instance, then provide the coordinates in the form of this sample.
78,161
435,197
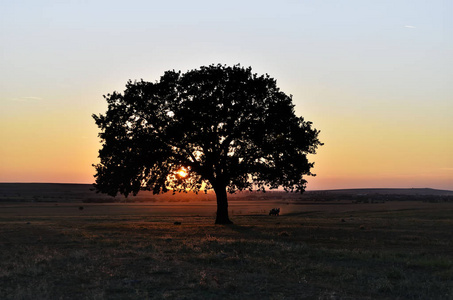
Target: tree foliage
228,128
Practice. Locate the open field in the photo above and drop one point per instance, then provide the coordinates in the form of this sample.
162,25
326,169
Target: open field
334,250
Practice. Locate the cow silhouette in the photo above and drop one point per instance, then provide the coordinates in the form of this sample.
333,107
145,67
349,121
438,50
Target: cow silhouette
274,212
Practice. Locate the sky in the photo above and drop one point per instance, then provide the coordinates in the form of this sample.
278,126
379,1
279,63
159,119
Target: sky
375,77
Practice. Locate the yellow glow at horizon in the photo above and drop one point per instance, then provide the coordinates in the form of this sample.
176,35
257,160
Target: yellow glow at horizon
52,147
371,151
43,145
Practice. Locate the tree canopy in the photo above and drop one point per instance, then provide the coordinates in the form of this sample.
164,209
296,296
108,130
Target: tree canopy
217,127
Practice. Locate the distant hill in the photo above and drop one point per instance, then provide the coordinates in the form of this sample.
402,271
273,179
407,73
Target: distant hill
58,192
389,191
67,192
46,192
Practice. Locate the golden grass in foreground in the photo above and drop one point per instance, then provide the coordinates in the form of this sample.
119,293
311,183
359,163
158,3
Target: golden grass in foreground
373,254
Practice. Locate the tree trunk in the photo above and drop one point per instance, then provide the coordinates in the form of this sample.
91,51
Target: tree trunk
222,206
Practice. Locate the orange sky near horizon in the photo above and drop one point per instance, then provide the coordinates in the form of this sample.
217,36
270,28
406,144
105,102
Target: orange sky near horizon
376,79
395,156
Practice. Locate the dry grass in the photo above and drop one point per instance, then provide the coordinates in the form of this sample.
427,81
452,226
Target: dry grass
400,254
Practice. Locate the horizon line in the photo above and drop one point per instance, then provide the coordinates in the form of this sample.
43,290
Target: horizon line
273,190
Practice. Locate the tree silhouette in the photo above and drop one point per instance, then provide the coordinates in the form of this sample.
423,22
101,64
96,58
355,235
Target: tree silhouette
217,127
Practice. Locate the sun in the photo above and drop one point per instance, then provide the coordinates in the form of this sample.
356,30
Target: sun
182,172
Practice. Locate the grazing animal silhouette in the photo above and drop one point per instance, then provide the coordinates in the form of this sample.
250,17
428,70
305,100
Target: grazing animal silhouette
274,212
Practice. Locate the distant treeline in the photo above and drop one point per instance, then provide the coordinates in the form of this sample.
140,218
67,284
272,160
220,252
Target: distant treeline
51,192
374,198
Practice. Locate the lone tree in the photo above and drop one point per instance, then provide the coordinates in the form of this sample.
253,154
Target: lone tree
217,127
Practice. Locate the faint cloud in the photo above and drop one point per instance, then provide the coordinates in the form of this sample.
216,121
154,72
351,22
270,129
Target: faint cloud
27,99
32,98
409,26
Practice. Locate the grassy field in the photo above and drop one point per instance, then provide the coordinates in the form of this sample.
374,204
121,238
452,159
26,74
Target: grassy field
398,250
